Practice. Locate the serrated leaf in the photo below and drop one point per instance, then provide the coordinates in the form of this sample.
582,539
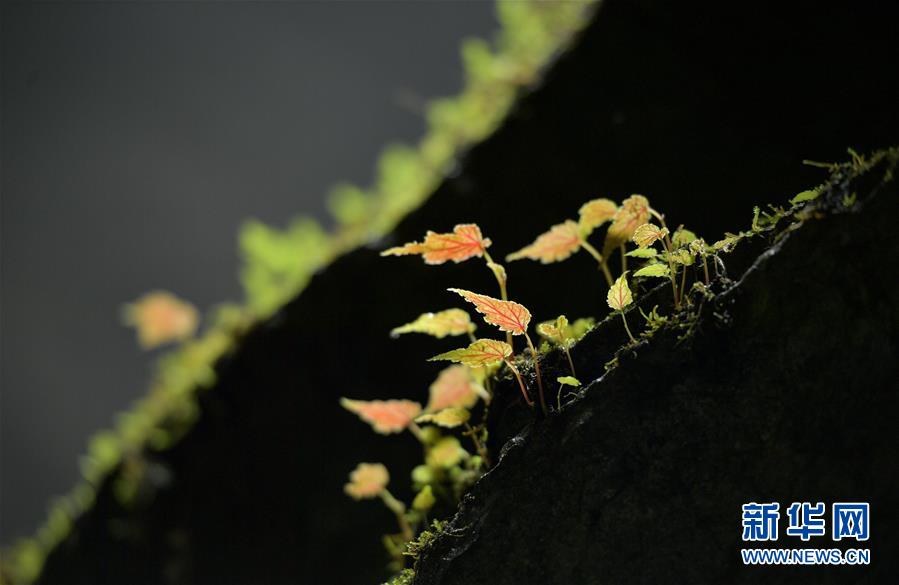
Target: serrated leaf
449,418
619,295
466,241
509,316
648,234
643,253
568,380
654,270
455,387
595,213
682,237
554,331
561,241
439,325
368,480
385,416
804,196
483,352
634,211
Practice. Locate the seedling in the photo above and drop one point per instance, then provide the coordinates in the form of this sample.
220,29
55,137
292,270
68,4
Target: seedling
368,481
486,353
557,332
161,317
565,381
619,298
466,241
510,317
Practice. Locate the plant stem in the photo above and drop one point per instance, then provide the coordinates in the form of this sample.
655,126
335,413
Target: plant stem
705,269
524,391
570,362
472,337
683,282
602,263
623,258
399,509
503,292
482,450
626,328
416,432
668,248
537,371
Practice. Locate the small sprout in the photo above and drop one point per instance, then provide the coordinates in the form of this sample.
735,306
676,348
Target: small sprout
595,213
561,241
367,481
448,418
510,317
805,196
466,241
446,453
424,500
728,243
683,257
161,317
648,234
557,332
385,416
439,325
455,387
849,199
645,253
619,297
654,270
682,237
565,381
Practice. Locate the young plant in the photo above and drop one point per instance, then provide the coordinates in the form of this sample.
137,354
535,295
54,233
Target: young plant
369,481
486,353
466,241
619,297
386,417
450,418
557,332
510,317
565,381
564,239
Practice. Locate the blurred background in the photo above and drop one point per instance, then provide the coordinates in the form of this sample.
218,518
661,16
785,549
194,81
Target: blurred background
136,138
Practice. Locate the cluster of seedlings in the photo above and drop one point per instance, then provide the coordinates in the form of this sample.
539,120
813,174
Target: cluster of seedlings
636,234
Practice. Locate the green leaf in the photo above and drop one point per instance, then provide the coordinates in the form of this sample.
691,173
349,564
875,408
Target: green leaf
483,352
643,253
682,237
805,196
439,325
619,295
424,500
568,380
449,418
654,270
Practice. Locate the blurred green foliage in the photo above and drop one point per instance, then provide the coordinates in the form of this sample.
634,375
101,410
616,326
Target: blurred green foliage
277,263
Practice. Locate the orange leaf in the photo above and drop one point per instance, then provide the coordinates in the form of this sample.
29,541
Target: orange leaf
483,352
466,241
454,387
595,213
385,416
161,317
561,241
634,211
367,481
506,315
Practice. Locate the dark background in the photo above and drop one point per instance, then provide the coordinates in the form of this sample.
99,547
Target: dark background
136,137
